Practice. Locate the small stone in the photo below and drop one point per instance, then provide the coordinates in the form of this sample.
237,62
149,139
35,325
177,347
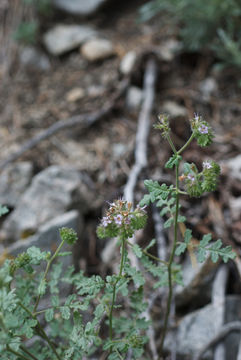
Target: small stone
173,109
208,87
97,49
134,97
63,38
168,49
75,94
235,208
128,62
79,7
14,181
52,192
234,167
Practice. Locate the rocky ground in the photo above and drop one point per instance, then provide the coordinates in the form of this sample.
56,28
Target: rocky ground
77,70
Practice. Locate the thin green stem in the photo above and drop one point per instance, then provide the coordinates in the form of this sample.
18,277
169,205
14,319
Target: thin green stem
186,145
123,241
170,262
41,331
21,356
27,352
171,144
47,270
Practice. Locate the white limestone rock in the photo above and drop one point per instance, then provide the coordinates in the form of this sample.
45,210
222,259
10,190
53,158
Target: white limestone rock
63,38
97,49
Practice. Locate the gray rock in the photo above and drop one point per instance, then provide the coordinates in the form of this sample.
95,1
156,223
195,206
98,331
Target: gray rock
234,167
195,330
134,97
14,181
52,192
208,88
174,109
79,7
197,283
47,238
232,313
63,38
97,49
128,62
33,59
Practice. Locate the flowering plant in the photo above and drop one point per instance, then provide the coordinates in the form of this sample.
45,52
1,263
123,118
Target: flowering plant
37,323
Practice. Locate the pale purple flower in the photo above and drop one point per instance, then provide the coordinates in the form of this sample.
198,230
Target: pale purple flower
118,219
207,165
191,177
106,221
196,117
203,129
127,221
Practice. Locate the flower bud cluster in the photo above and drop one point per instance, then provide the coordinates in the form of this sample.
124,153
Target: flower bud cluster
120,219
163,125
202,131
196,183
21,261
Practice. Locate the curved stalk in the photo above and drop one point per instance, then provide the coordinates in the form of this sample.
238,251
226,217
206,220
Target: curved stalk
170,262
47,270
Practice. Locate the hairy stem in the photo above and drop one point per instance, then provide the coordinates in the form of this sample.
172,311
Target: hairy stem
21,356
186,145
47,270
27,352
170,262
123,241
41,331
171,144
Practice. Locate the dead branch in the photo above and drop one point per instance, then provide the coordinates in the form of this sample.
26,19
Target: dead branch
225,330
83,121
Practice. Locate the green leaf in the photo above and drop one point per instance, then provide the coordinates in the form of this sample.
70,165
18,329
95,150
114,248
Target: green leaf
164,211
180,249
168,223
174,160
151,244
37,255
201,255
3,210
55,300
65,312
215,250
187,168
49,314
137,250
187,236
99,311
146,200
206,239
181,219
65,253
